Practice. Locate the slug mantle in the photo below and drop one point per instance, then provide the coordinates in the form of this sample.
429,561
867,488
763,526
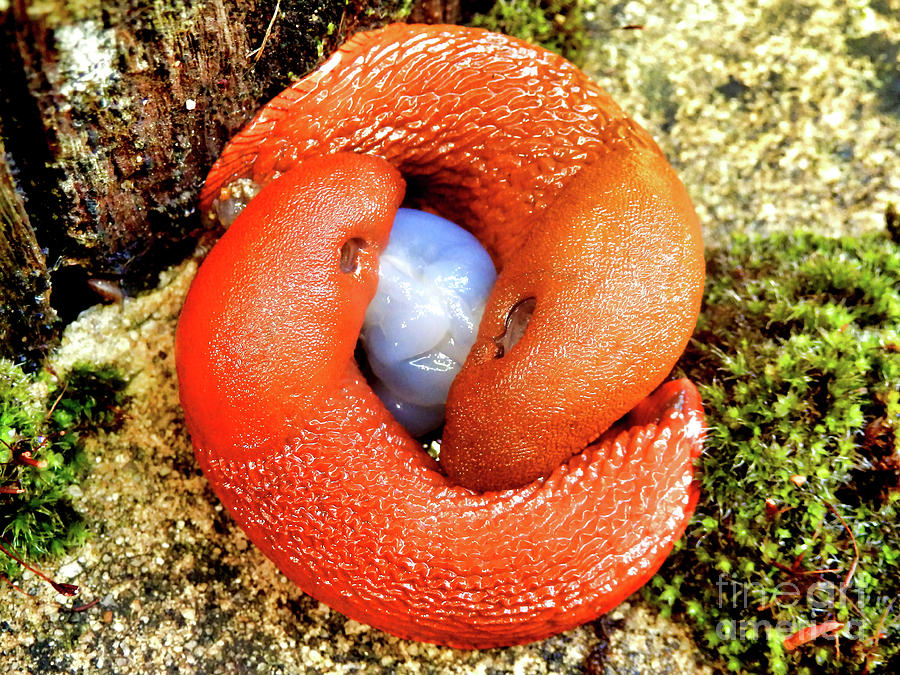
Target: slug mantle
566,466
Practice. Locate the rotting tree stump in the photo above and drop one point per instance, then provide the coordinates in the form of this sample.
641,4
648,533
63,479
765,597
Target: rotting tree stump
110,116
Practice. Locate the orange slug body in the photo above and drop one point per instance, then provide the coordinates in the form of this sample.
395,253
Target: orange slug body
589,228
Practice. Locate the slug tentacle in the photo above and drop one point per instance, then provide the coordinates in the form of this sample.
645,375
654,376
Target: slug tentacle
551,504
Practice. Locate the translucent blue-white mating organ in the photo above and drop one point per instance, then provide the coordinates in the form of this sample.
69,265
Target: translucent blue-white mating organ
434,279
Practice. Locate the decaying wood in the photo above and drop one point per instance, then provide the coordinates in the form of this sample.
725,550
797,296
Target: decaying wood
26,318
112,113
442,11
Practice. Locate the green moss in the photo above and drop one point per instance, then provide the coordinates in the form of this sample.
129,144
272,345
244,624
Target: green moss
394,10
553,24
797,355
41,521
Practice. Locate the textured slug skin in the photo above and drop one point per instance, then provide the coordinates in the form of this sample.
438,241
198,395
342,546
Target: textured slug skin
581,212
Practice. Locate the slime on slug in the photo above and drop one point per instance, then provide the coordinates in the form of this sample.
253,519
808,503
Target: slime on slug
433,281
530,524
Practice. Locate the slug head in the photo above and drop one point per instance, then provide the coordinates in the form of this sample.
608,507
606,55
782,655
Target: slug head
309,243
585,320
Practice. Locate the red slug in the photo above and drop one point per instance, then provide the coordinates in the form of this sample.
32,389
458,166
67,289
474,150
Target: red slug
545,511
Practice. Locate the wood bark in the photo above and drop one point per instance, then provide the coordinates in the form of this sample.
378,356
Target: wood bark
111,114
26,318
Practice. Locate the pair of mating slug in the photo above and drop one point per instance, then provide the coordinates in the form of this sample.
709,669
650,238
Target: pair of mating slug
565,472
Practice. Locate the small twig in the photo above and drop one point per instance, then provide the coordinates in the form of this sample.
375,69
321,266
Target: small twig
855,562
61,588
26,458
876,637
58,399
810,633
259,50
800,573
88,605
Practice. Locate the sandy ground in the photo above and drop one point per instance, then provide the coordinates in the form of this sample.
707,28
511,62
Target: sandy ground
775,114
181,589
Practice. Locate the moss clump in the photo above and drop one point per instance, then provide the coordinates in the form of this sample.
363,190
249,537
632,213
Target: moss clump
43,457
797,354
553,24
